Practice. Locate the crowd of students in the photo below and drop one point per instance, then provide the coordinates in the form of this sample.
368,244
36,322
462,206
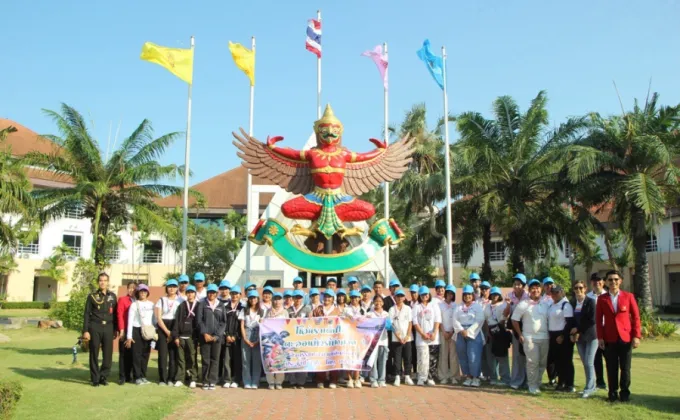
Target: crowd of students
431,338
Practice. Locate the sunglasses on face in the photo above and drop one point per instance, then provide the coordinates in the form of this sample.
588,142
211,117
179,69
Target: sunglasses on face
578,288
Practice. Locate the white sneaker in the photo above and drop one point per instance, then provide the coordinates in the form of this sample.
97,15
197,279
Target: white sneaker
587,394
374,385
454,381
467,382
408,380
430,382
397,381
357,384
475,383
421,382
178,384
444,382
332,386
234,385
271,387
226,385
535,391
192,384
350,383
382,384
279,387
319,385
206,387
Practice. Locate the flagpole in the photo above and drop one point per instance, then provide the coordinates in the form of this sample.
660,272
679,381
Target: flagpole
447,172
318,76
249,189
387,184
187,150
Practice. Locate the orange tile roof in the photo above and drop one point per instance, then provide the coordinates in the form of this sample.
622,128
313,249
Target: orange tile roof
25,140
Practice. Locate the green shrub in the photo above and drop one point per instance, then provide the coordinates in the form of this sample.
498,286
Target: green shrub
10,393
71,312
652,326
26,305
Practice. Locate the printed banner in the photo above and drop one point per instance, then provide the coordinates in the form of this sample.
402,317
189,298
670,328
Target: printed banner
319,344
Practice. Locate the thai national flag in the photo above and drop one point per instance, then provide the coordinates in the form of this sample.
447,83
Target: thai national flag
313,43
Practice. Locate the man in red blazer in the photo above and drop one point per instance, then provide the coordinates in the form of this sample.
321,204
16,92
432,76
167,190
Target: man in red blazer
618,332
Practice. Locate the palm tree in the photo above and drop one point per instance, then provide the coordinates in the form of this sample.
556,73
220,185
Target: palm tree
628,162
507,169
113,192
15,197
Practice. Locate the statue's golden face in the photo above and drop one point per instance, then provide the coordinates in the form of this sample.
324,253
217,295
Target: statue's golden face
329,134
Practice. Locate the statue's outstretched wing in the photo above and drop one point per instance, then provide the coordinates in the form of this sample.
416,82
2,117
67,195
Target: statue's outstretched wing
292,175
362,177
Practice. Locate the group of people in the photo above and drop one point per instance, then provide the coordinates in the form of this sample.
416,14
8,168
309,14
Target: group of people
467,343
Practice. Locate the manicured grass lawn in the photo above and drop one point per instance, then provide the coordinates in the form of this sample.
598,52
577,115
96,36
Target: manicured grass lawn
27,313
654,389
56,389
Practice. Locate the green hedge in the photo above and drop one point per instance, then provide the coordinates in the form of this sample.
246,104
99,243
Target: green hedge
26,305
10,393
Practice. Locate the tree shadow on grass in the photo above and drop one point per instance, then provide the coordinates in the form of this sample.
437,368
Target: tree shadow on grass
666,355
58,351
72,375
660,403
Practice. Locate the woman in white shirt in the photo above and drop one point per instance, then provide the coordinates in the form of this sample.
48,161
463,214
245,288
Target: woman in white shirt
499,337
426,319
168,355
468,320
400,347
449,368
380,363
354,311
141,313
250,318
275,380
561,348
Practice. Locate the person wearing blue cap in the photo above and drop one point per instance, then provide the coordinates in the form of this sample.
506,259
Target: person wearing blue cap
165,311
475,282
379,370
185,332
287,299
250,318
440,291
275,380
499,338
341,300
212,323
267,295
297,285
468,321
183,281
426,320
561,348
353,283
366,301
327,309
231,364
298,310
517,295
353,311
140,321
248,287
533,334
449,368
314,298
394,286
413,292
548,284
488,364
400,345
199,282
223,290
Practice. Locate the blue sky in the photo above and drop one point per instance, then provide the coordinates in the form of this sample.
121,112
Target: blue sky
87,55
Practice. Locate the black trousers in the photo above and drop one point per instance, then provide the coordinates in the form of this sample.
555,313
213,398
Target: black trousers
141,349
230,362
403,364
618,356
553,355
599,368
168,355
101,335
210,359
124,361
563,358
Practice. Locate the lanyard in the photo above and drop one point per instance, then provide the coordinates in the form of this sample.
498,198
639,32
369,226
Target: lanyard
191,309
326,313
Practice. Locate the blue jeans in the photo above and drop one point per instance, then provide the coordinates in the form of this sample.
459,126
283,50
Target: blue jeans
252,364
586,351
470,354
378,371
519,365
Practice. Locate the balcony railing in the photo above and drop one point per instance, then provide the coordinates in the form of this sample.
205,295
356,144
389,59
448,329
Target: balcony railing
75,213
652,245
113,255
497,255
153,257
457,259
76,250
28,249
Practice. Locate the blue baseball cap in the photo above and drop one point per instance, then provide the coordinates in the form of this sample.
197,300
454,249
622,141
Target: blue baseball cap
366,287
485,285
354,293
199,276
253,293
249,285
212,288
342,292
424,290
352,279
548,280
439,283
451,288
474,277
400,292
297,279
236,289
332,279
268,289
288,293
468,289
521,277
495,291
277,295
184,278
171,282
395,283
191,288
329,292
225,284
413,288
313,291
298,293
534,282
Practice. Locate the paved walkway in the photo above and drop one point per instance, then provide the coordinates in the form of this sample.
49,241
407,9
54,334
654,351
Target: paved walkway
405,402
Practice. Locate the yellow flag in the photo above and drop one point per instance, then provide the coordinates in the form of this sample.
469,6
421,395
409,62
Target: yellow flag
178,61
244,59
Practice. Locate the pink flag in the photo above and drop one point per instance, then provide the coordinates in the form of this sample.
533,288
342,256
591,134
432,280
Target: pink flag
380,60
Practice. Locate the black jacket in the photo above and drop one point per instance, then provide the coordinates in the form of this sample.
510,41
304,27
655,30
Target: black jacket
233,328
185,325
100,311
586,324
212,322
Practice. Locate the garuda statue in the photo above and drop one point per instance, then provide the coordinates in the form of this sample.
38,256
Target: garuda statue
328,176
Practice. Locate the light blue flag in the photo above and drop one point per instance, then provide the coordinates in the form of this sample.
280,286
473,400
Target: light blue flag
434,63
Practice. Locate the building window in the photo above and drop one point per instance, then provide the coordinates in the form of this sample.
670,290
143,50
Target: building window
273,283
75,242
652,244
75,212
497,251
32,248
132,278
457,256
113,255
676,235
153,252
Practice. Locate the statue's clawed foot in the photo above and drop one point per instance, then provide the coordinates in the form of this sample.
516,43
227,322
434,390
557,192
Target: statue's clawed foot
303,231
353,231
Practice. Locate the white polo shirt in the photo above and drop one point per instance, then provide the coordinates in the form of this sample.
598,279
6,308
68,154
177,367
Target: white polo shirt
447,310
426,316
470,318
558,314
401,319
493,313
534,317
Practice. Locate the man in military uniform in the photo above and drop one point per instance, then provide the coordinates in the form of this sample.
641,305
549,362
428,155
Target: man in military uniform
99,327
